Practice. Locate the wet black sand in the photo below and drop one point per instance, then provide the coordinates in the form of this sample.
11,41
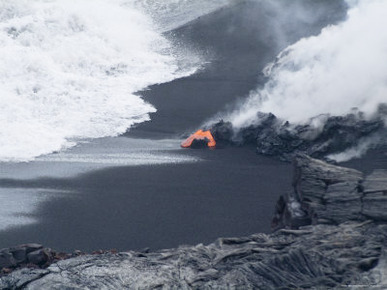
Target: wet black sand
231,193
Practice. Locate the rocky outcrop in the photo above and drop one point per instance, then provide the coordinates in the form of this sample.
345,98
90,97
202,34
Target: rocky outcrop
315,256
33,256
324,193
27,254
331,232
375,196
274,137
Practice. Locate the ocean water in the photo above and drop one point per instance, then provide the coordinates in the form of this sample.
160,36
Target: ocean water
94,154
17,205
20,197
69,68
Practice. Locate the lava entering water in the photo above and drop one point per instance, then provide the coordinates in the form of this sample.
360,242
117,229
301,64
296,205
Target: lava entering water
200,135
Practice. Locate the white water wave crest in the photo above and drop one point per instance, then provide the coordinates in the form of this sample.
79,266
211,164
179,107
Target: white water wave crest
170,14
342,68
69,70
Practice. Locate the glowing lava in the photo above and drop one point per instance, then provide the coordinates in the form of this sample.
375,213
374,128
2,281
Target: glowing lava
200,135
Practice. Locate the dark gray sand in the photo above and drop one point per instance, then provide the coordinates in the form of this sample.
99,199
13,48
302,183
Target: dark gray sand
231,193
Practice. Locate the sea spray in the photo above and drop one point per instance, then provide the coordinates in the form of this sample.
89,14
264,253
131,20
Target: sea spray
69,70
170,14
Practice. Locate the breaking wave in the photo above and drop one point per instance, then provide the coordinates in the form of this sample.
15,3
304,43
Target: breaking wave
340,69
69,69
170,14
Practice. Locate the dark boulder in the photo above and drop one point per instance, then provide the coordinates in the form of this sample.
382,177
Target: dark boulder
222,131
14,256
199,143
32,247
38,257
29,255
19,254
6,259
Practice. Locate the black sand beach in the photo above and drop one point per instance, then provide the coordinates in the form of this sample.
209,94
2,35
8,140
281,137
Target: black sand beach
231,193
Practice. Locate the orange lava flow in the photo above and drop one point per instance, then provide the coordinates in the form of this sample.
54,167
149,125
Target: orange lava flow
201,135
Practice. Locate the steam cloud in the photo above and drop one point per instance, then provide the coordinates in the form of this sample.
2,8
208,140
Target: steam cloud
342,68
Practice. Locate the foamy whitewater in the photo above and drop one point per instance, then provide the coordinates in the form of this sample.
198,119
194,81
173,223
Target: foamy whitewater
69,69
342,68
170,14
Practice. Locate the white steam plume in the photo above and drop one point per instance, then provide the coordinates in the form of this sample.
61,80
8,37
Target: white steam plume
342,68
358,150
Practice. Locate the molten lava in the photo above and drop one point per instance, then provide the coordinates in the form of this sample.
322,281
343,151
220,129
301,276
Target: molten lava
200,135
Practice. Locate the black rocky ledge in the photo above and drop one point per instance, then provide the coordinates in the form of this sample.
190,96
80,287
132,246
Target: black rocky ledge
331,232
274,137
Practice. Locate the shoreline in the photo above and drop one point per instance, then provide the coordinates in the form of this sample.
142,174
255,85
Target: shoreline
238,42
200,201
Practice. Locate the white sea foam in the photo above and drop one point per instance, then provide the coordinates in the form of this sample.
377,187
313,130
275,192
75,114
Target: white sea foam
170,14
332,73
69,70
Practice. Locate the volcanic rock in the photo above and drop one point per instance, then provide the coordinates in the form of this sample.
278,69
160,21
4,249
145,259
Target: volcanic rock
324,256
330,194
274,137
11,257
326,237
32,256
6,259
199,143
38,257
